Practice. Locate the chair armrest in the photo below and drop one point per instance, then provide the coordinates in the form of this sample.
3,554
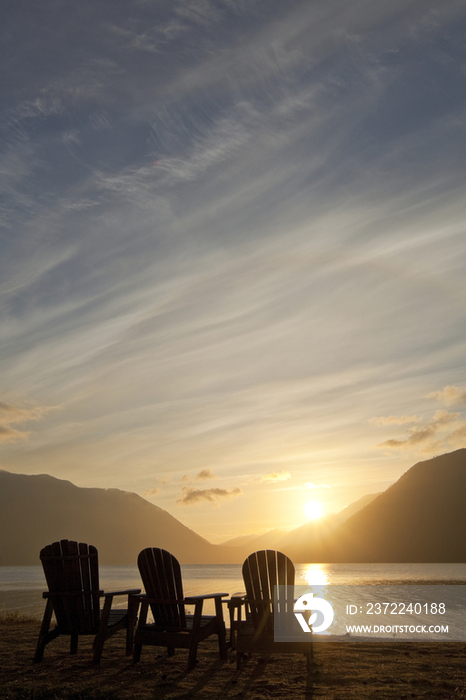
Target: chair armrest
130,591
198,602
61,594
191,599
236,599
161,601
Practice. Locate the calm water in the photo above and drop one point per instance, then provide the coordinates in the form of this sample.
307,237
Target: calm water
21,586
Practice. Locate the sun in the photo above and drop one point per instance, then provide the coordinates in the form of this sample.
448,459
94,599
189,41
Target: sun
313,510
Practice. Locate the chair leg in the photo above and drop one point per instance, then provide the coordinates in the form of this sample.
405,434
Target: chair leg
137,648
98,647
44,635
221,631
133,605
102,632
222,643
129,639
137,653
74,643
192,654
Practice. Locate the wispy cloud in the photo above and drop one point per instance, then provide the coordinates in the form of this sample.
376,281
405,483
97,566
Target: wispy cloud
8,434
11,414
394,420
444,430
150,493
214,496
205,475
141,41
276,476
450,395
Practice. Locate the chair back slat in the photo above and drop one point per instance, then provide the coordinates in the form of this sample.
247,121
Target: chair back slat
262,572
161,575
70,567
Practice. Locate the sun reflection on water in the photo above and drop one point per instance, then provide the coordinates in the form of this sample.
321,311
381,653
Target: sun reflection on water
315,575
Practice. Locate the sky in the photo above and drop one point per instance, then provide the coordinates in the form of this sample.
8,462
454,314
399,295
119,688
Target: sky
233,250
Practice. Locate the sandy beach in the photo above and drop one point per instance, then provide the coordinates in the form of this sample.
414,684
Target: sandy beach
353,671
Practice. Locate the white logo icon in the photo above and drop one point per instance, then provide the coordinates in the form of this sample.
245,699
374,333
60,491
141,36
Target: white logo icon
306,604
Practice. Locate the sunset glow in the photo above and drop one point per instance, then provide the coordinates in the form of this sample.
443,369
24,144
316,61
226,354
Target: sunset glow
313,510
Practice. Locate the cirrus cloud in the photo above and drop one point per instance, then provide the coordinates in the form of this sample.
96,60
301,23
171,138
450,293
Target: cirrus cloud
444,430
11,415
205,475
215,495
393,420
449,396
150,493
276,476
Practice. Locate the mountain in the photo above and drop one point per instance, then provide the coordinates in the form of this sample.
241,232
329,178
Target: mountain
40,509
421,518
355,507
265,540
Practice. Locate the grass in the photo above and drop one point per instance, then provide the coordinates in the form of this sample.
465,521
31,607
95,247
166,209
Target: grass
8,617
355,671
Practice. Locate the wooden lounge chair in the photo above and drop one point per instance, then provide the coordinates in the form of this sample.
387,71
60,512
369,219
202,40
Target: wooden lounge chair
72,575
172,627
262,571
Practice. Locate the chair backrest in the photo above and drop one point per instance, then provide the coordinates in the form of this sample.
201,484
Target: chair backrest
161,575
262,571
72,573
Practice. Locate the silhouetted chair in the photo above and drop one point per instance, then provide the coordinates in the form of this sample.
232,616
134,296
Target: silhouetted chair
72,574
262,572
172,627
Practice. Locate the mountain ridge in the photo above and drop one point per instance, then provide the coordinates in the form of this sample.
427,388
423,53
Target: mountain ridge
420,518
38,509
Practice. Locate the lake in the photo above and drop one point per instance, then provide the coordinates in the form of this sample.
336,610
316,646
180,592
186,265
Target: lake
21,586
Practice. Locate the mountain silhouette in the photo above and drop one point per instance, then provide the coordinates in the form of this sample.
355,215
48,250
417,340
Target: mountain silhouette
40,509
421,518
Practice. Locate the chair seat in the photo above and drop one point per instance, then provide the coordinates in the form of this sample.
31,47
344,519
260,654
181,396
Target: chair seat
205,620
188,627
117,616
249,642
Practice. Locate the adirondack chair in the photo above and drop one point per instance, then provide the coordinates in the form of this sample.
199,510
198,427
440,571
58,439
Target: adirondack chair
262,571
72,574
172,627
